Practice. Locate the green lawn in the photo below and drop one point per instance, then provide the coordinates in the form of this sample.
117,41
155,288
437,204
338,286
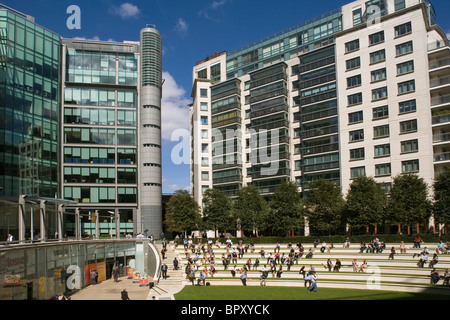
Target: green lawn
287,293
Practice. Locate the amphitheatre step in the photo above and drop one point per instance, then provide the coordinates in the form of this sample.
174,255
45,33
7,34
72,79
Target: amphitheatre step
398,274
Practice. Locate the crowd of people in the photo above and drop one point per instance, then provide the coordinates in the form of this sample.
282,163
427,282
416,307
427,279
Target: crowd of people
273,262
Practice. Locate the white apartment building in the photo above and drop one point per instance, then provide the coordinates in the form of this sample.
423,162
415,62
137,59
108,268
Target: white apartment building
361,90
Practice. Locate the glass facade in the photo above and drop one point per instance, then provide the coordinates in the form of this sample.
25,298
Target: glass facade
100,124
43,272
29,107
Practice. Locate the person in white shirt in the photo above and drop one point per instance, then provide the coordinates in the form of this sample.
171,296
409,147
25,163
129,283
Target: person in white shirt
313,280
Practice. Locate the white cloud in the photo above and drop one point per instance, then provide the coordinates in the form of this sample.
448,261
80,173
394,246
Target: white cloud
94,38
175,187
182,26
175,107
126,11
216,4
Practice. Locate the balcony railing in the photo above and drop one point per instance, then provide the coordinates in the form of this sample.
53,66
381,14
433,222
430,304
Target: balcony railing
444,137
441,119
444,156
439,81
439,63
437,45
435,101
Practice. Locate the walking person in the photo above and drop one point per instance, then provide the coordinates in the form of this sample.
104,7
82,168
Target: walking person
392,254
164,271
244,278
313,281
116,274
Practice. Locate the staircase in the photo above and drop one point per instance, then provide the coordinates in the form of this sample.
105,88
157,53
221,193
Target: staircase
165,289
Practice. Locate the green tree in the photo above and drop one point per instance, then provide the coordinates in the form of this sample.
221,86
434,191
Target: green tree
183,213
441,206
286,212
365,203
408,203
250,210
324,206
217,212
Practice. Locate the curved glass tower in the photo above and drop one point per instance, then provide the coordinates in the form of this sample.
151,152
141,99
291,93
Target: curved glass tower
150,195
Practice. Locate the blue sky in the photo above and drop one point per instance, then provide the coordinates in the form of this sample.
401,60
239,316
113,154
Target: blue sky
191,30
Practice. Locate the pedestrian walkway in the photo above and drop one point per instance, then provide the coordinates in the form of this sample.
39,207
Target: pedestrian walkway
164,290
110,290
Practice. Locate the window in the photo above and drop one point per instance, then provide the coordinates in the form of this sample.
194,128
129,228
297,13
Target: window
378,75
404,48
204,120
406,67
408,126
353,63
203,93
399,5
323,30
410,166
358,172
202,74
204,106
376,38
357,154
380,93
380,112
204,134
204,147
406,87
377,56
215,72
357,135
381,132
355,99
355,117
407,106
403,29
354,81
352,46
383,170
382,151
357,17
410,146
205,175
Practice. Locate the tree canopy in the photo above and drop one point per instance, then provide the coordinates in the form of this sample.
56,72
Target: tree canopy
286,211
324,206
365,203
183,213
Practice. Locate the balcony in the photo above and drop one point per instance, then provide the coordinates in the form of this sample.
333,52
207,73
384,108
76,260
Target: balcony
439,81
443,137
438,45
439,63
438,100
441,119
443,156
268,95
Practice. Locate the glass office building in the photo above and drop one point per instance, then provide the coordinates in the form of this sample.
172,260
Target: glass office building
100,132
76,132
29,107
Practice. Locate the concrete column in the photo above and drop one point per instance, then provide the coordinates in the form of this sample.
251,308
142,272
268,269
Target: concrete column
42,219
77,224
60,216
21,218
97,225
